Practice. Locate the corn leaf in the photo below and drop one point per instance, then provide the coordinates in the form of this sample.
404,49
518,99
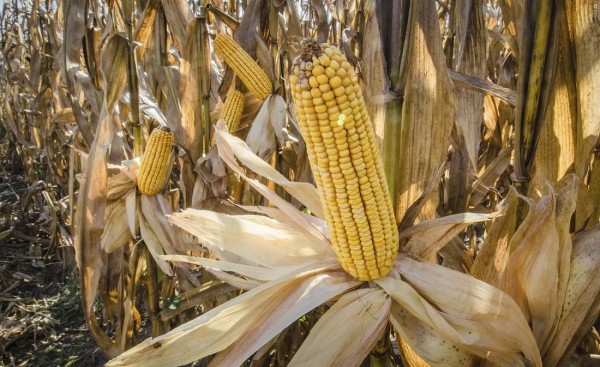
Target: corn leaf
91,202
425,133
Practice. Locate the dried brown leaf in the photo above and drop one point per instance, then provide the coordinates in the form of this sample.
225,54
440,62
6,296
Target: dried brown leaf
425,133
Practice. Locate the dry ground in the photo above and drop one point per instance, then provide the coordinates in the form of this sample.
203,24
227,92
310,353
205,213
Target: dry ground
41,320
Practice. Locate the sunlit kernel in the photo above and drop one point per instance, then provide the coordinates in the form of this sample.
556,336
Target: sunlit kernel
341,119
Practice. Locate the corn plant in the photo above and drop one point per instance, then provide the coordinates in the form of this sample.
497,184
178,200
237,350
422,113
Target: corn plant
319,182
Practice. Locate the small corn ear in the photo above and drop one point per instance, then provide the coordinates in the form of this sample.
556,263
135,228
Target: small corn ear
345,159
232,111
156,162
249,72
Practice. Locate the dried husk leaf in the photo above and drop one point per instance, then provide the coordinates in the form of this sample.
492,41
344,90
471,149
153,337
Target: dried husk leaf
531,276
153,243
491,260
581,307
538,263
222,326
256,272
262,240
116,230
426,342
305,193
131,208
369,311
283,311
120,185
234,280
156,209
490,325
301,191
429,236
261,137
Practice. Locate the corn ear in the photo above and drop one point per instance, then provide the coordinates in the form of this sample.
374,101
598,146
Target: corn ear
345,159
156,162
232,111
249,72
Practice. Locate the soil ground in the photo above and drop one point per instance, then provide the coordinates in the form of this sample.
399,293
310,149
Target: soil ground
41,320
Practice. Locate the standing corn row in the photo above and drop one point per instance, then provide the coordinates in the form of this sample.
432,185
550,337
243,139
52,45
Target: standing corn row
232,111
156,162
250,73
345,159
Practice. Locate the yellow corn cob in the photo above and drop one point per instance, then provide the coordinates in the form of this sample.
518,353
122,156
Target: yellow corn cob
232,111
250,73
345,159
156,162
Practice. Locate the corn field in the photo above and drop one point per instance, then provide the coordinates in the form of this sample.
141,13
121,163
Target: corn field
318,182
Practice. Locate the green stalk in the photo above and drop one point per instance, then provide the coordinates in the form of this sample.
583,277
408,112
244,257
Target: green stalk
532,69
393,20
391,147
